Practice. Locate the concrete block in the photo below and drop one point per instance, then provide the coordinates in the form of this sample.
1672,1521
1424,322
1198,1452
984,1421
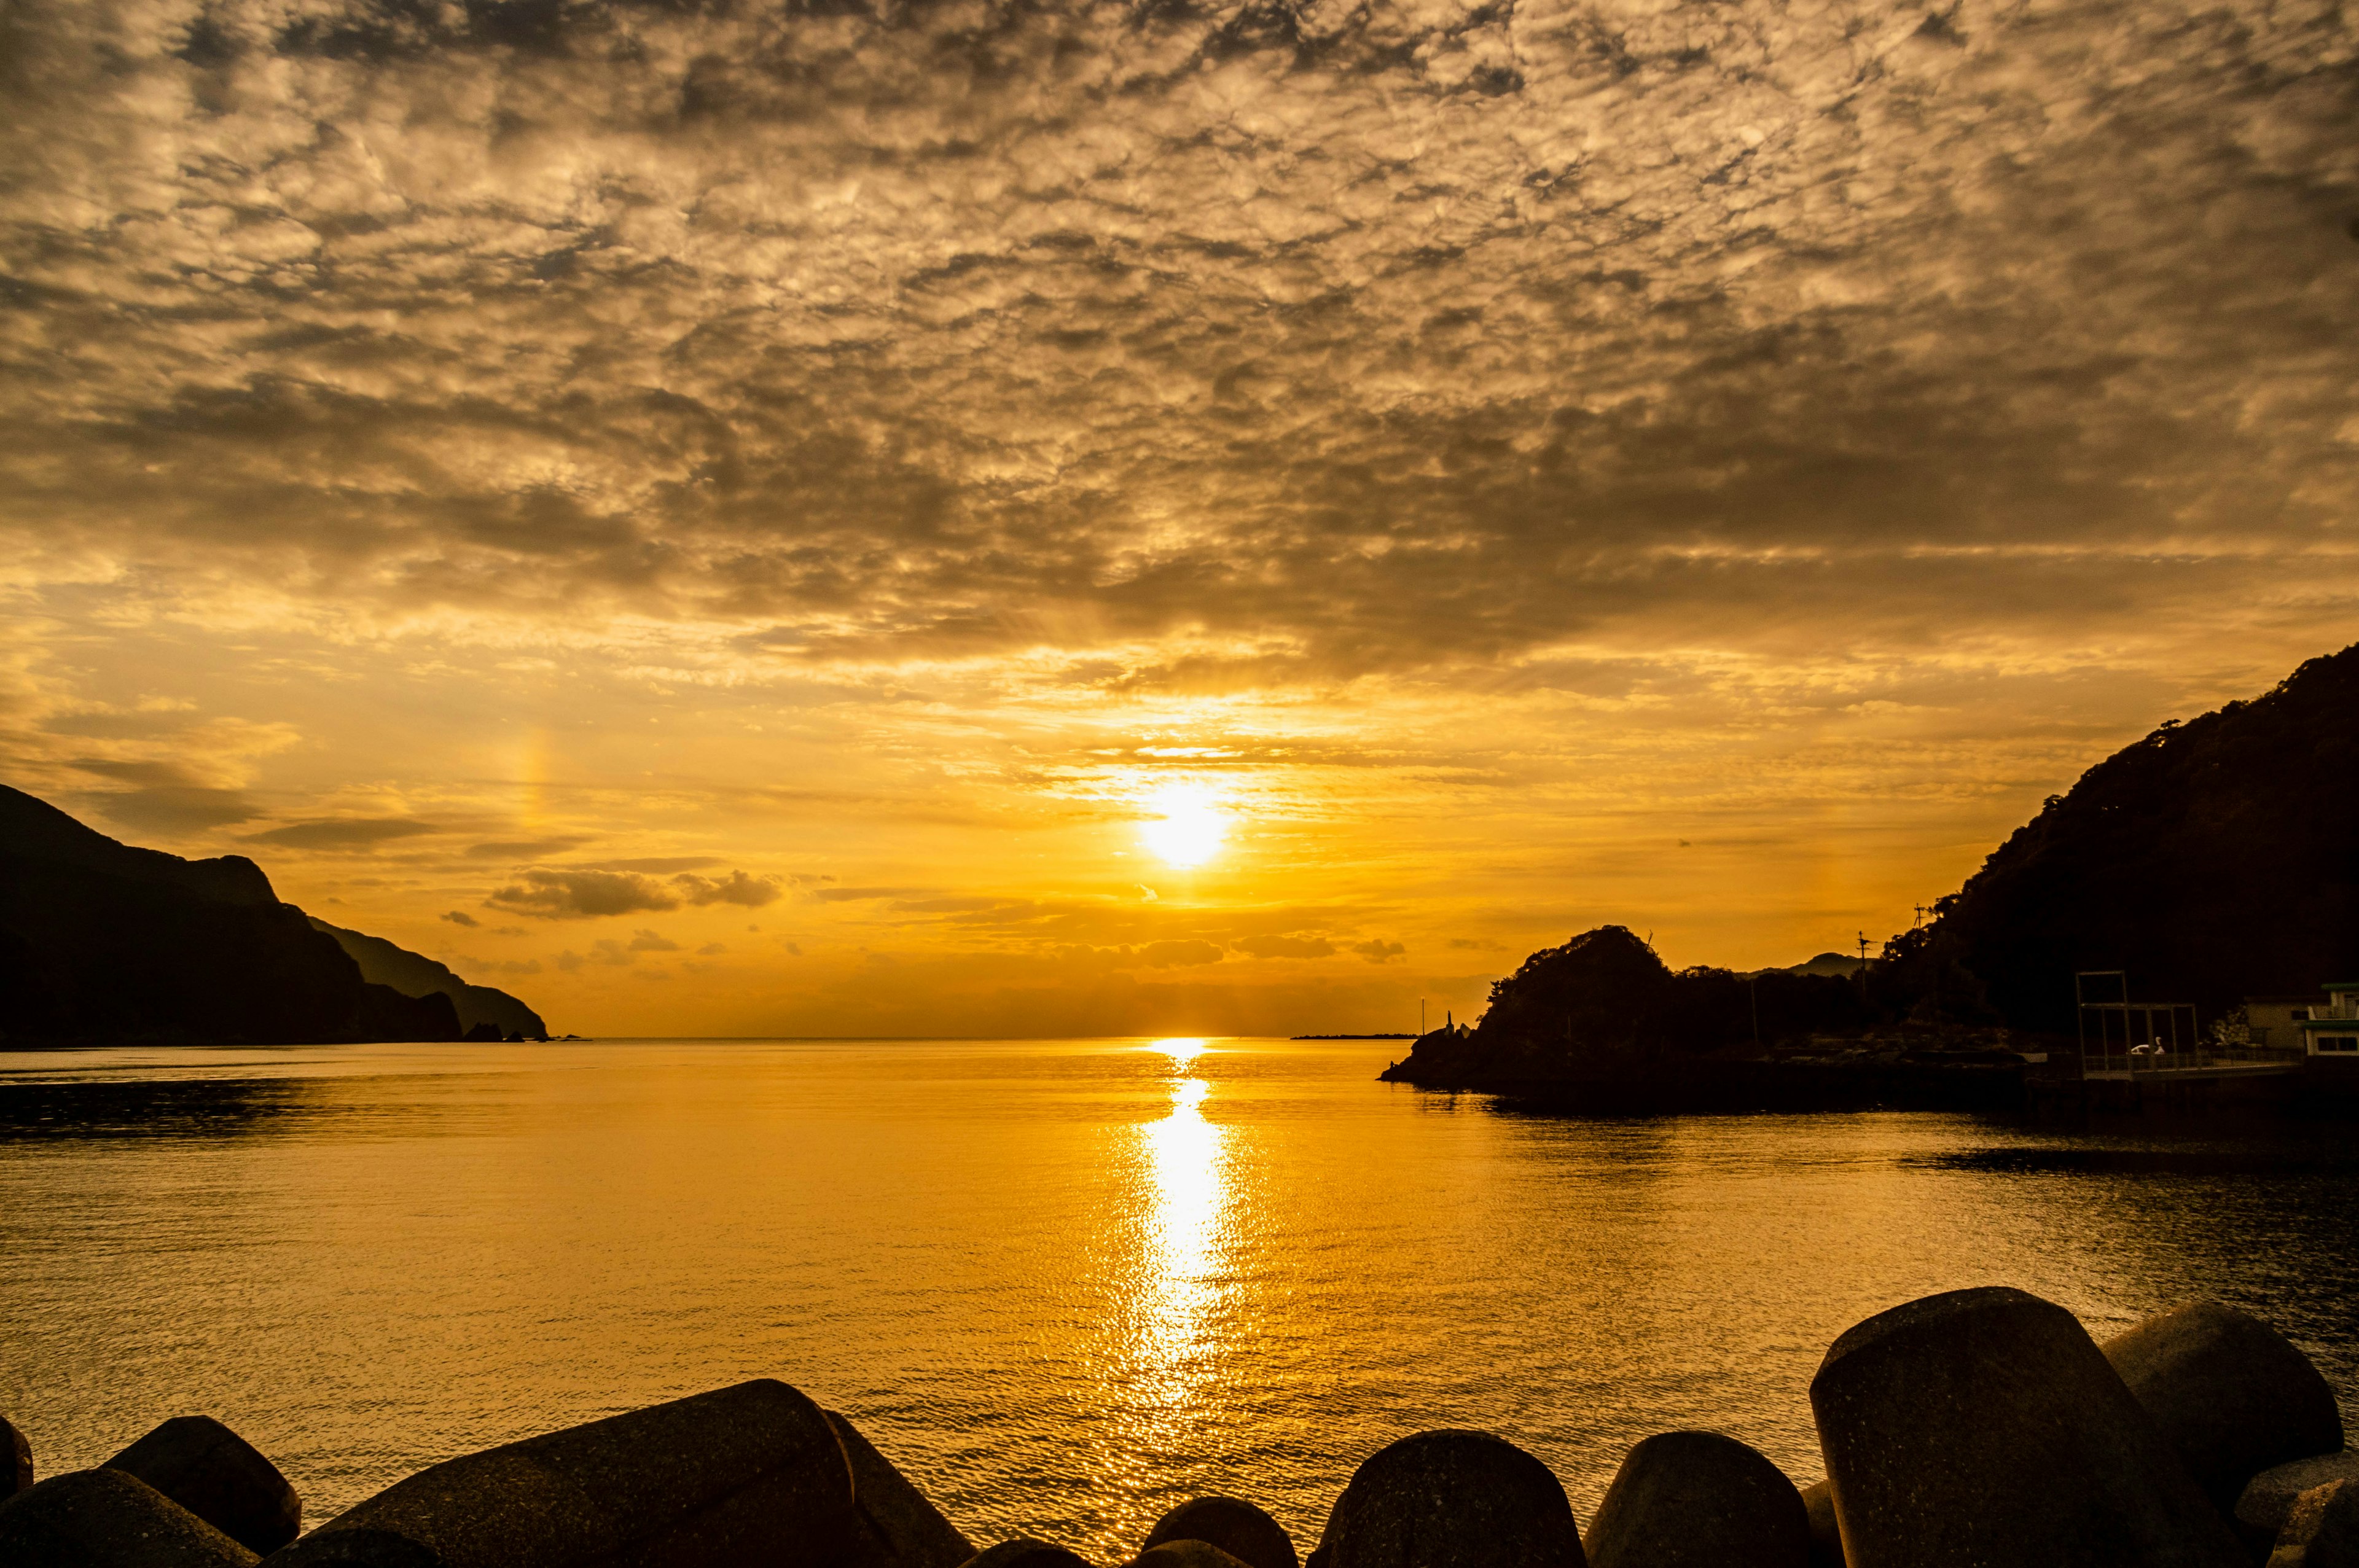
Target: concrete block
1451,1499
1236,1527
220,1477
104,1518
1984,1426
749,1476
2234,1394
1697,1499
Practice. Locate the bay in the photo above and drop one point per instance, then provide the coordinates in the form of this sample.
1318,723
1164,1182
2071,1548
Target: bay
1065,1284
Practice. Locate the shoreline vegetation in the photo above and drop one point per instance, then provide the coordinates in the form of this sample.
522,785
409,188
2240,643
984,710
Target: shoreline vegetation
1971,1427
2217,858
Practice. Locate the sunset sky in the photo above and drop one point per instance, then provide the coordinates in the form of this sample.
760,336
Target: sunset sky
745,518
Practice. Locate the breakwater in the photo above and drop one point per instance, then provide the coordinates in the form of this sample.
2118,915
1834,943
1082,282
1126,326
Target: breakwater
1975,1427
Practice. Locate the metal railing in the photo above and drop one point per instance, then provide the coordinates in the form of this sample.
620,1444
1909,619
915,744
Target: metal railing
2199,1058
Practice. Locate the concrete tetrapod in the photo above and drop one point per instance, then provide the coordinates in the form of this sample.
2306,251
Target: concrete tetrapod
1826,1541
220,1477
897,1524
2234,1394
1236,1527
1451,1499
2322,1531
2269,1498
1697,1499
15,1460
739,1476
1982,1427
104,1518
1184,1555
1023,1551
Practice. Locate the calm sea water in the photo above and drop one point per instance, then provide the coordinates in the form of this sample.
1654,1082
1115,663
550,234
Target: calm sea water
1064,1284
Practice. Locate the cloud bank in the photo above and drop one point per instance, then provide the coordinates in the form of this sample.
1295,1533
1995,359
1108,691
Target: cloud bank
1290,341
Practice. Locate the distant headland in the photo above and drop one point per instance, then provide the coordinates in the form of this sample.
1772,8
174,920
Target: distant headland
101,942
2216,860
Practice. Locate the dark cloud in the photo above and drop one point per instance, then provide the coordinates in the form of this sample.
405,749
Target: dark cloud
460,917
736,888
341,832
178,809
580,895
1368,337
568,892
646,941
1377,951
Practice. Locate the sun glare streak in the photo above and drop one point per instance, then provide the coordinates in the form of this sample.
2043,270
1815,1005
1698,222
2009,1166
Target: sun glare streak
1190,827
1187,1164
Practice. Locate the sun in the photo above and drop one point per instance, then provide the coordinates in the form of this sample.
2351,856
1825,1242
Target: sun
1190,827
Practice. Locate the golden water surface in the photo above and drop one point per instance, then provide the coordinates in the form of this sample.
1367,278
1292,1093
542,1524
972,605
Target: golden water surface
1065,1284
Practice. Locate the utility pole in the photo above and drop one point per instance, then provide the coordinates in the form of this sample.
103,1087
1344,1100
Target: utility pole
1420,1018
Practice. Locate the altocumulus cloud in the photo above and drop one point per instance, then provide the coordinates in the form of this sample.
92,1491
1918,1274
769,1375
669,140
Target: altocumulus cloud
559,893
938,329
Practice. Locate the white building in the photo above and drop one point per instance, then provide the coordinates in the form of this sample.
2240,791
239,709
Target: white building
2332,1030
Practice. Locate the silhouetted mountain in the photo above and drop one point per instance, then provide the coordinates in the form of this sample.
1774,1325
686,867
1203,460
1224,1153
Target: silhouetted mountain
2213,860
414,974
1605,1010
100,940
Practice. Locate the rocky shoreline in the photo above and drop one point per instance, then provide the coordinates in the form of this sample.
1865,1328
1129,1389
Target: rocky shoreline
1978,1427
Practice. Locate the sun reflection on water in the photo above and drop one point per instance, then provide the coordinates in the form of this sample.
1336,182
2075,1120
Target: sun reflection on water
1186,1165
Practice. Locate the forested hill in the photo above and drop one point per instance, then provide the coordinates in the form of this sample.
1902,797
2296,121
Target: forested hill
2214,859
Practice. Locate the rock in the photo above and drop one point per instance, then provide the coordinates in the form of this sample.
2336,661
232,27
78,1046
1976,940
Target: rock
743,1475
1237,1528
2232,1392
1024,1552
2322,1531
1451,1499
2268,1498
897,1523
1699,1498
1185,1554
1826,1541
104,1518
17,1464
220,1477
1984,1426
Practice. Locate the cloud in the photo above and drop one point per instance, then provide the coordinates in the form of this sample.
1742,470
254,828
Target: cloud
736,888
710,949
1377,951
582,895
857,895
1385,339
336,833
522,848
1286,947
661,864
570,893
645,941
460,917
1168,954
179,810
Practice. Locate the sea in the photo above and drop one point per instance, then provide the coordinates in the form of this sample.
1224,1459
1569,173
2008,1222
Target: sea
1063,1285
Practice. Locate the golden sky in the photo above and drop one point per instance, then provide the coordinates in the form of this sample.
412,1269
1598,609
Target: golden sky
741,519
